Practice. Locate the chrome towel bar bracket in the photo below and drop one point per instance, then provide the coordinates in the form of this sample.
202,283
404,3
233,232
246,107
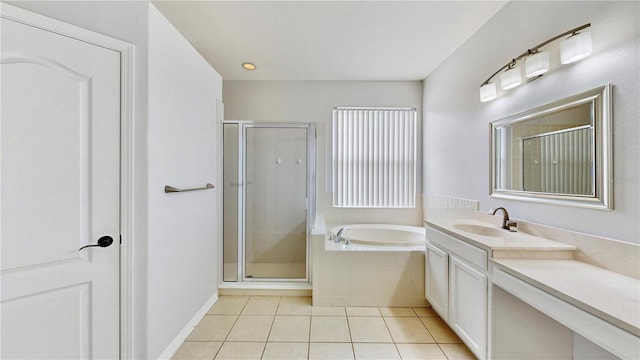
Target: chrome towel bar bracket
171,189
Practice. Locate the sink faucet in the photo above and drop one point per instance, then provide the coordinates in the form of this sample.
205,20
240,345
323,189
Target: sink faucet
506,223
339,234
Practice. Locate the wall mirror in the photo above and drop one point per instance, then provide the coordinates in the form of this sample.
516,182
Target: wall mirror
557,153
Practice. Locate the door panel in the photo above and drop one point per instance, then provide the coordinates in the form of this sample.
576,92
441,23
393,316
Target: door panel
59,142
231,190
437,278
68,308
38,158
275,202
468,305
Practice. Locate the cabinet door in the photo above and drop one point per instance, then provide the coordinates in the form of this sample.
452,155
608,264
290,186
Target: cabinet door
436,269
468,305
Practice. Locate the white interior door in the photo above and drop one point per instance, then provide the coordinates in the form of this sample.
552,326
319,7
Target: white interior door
60,129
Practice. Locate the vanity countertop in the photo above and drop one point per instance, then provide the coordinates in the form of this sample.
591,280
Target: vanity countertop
608,295
507,241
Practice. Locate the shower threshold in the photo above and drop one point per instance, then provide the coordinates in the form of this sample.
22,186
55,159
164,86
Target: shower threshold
270,288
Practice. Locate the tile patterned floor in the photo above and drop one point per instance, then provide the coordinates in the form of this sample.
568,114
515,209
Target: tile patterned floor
271,327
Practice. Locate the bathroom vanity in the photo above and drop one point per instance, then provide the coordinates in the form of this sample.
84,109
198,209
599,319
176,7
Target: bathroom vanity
456,286
522,295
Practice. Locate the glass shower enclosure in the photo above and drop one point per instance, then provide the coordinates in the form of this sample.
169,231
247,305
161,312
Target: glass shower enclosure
267,200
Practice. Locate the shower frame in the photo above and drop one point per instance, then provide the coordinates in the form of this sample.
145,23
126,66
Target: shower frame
242,197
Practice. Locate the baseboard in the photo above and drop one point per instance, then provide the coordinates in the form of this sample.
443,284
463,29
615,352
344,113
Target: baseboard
182,335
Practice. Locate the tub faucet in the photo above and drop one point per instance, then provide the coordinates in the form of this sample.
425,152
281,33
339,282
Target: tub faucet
339,234
506,223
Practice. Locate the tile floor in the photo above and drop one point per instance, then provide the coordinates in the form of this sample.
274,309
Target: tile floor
271,327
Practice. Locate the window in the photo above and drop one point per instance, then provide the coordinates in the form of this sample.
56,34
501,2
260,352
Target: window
374,157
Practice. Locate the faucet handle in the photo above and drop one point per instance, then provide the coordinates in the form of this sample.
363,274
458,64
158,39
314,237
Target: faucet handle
512,225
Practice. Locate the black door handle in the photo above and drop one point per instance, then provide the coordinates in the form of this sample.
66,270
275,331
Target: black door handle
102,242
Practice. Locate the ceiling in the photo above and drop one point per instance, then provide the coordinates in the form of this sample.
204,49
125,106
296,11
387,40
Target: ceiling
327,40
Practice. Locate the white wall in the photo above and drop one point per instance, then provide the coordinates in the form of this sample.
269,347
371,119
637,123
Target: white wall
313,101
183,152
456,124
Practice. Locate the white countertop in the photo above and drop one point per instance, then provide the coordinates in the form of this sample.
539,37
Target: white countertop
608,295
509,241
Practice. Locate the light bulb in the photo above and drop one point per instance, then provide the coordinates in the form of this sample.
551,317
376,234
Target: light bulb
248,66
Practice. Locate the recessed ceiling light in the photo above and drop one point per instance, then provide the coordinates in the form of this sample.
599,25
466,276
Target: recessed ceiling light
248,66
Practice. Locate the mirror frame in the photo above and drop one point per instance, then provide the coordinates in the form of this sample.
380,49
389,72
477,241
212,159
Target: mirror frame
603,197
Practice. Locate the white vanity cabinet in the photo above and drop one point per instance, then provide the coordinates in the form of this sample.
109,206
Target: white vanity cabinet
436,267
468,305
457,287
534,300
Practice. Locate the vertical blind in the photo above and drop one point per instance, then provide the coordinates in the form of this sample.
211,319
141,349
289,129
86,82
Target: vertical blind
374,157
566,165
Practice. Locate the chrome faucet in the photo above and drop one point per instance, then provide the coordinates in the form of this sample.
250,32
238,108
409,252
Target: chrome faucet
506,223
339,234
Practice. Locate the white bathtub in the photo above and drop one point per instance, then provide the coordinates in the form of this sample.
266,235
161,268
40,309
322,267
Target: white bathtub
382,237
382,266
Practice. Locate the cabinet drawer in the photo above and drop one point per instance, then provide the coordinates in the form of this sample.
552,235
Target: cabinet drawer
472,254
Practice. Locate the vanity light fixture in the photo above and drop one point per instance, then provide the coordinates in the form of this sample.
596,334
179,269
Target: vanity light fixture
536,62
248,66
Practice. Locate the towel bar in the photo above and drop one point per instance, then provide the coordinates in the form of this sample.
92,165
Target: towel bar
171,189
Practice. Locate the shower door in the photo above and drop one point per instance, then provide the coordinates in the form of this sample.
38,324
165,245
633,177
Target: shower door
273,192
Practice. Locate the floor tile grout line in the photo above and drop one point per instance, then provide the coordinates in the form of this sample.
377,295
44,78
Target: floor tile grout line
388,330
217,351
309,337
234,324
425,326
353,350
395,345
441,349
273,320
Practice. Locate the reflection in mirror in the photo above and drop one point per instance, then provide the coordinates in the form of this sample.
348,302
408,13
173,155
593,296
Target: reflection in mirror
556,153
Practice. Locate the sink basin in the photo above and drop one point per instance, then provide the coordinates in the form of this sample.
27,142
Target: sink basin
480,230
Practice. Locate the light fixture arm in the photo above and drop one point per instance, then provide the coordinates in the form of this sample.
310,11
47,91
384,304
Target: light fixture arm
535,49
